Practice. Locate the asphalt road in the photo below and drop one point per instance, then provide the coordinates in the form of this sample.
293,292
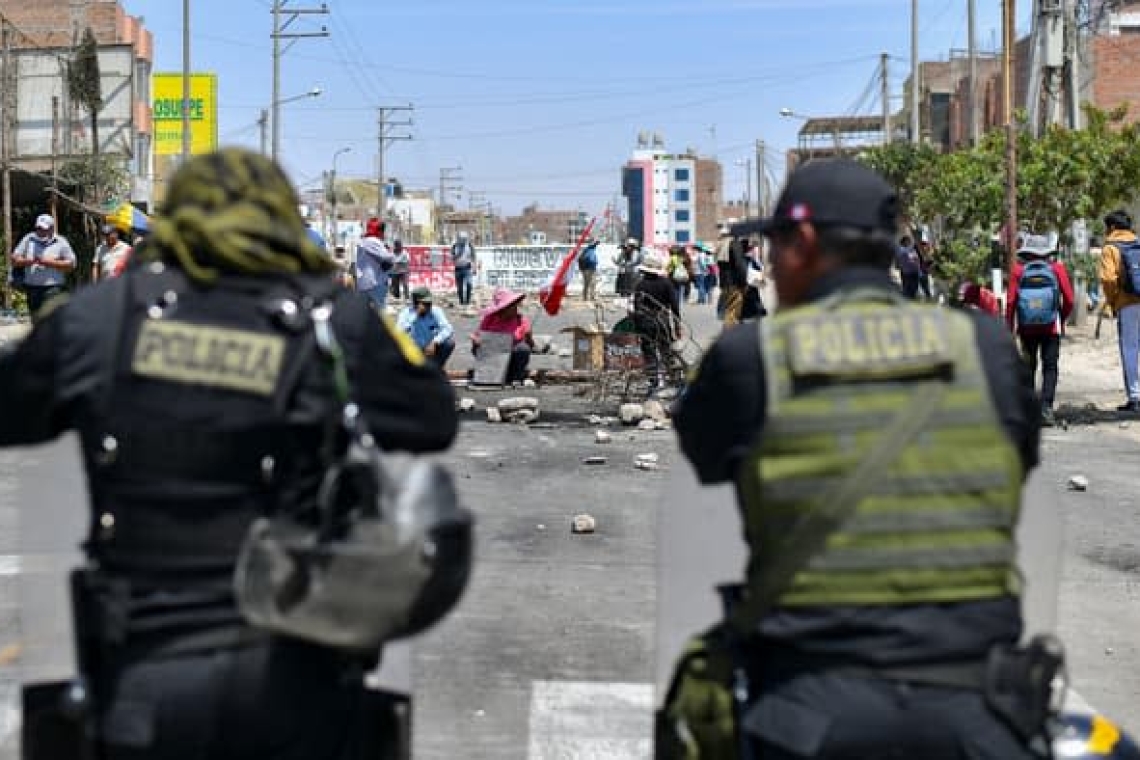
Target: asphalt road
552,652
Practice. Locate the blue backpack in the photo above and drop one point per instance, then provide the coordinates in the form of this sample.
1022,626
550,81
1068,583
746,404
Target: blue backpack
1038,295
588,258
1130,263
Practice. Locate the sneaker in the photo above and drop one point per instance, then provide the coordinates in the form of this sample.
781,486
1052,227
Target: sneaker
1048,419
1132,406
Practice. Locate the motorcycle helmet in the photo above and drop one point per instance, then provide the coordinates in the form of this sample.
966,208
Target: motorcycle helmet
1088,737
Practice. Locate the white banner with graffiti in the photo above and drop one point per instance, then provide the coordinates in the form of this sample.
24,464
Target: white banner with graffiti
527,268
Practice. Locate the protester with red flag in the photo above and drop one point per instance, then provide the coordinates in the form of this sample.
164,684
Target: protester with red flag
551,294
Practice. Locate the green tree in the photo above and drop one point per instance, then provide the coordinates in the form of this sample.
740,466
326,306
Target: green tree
905,165
1063,176
84,87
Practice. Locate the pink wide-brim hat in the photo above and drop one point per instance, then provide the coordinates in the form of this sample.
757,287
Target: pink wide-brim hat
503,298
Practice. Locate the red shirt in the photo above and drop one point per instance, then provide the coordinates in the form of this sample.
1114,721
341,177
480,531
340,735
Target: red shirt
982,299
1066,301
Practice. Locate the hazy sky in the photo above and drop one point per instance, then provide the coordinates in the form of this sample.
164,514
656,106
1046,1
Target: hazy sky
542,100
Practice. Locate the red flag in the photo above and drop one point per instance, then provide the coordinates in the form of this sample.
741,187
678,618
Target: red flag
551,294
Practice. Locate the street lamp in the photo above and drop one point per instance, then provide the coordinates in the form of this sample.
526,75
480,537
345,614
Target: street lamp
275,107
788,113
332,189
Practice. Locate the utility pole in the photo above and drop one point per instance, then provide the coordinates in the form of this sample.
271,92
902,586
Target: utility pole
54,154
1073,59
384,136
280,33
972,71
915,124
761,185
185,81
263,129
1009,21
6,101
885,95
449,181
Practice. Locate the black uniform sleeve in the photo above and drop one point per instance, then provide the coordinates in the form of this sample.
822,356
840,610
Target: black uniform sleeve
1011,387
722,411
32,410
408,402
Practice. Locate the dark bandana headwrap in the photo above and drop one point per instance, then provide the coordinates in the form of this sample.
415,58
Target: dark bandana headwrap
232,211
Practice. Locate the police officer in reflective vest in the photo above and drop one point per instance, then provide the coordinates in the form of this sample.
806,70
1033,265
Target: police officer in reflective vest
899,434
192,383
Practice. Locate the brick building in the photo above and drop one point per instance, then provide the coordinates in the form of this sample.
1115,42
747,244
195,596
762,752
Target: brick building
535,224
1114,55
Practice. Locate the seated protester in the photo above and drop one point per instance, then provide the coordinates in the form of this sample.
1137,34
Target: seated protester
428,327
656,316
502,316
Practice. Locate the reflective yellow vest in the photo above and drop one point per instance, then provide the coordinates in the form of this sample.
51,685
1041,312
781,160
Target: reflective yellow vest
938,525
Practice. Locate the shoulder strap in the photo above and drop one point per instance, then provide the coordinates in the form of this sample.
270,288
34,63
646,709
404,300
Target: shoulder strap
835,506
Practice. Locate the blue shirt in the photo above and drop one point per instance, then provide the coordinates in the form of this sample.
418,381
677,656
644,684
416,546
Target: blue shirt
56,247
432,326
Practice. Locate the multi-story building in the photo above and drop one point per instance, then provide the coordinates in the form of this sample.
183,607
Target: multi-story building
672,198
48,129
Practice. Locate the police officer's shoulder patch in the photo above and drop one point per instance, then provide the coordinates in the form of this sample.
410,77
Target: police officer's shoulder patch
216,357
872,343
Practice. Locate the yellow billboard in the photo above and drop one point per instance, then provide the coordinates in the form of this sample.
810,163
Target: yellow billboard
166,110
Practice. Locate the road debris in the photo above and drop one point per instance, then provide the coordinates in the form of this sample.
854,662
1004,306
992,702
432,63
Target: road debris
1078,483
583,524
631,414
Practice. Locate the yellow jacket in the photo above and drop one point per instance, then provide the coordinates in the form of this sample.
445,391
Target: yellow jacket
1111,269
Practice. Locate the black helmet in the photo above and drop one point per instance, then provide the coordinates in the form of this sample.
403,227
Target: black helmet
1089,737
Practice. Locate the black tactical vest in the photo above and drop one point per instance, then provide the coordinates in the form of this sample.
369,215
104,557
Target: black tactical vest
191,437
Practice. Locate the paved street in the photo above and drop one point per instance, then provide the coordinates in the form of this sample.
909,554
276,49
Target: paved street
552,651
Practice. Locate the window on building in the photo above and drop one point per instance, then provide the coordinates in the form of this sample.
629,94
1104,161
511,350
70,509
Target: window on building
682,196
683,215
681,175
683,236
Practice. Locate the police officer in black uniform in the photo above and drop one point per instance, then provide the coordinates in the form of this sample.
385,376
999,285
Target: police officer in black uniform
194,386
875,644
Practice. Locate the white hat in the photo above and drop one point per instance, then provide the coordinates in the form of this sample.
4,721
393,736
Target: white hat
653,263
45,222
1036,245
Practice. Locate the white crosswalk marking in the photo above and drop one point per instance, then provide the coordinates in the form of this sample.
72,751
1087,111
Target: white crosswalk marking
574,720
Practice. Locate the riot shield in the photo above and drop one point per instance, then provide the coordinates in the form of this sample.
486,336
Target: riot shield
700,546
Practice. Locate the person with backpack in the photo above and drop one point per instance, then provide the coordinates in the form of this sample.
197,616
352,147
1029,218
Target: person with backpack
1039,301
680,270
588,266
1119,273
